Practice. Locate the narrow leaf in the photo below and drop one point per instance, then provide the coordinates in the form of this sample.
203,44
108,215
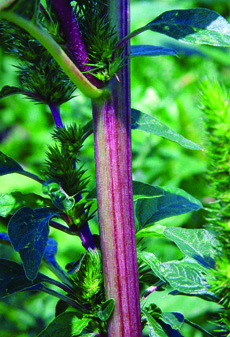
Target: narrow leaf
13,278
198,25
200,244
106,309
174,202
8,165
148,50
147,123
11,202
155,230
65,325
9,90
155,329
28,232
174,319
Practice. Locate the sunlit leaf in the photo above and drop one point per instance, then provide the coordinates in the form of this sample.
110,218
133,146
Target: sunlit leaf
197,25
147,123
65,325
28,232
11,202
155,230
174,319
106,309
5,3
155,329
200,244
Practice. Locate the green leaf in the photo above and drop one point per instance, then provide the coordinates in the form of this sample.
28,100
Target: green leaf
184,278
28,231
174,202
11,202
147,123
148,50
200,244
155,230
65,325
9,90
106,310
13,279
150,260
198,25
8,165
174,319
155,329
58,196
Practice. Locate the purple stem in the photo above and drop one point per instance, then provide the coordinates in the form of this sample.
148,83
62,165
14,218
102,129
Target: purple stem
112,134
73,38
55,110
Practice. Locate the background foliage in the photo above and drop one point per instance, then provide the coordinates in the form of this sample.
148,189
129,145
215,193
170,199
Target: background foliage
166,87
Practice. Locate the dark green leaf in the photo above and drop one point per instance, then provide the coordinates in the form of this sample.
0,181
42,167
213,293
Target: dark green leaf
155,329
200,244
148,50
58,196
147,123
61,307
65,325
11,202
174,319
28,232
198,25
174,202
13,279
9,90
184,278
8,165
106,309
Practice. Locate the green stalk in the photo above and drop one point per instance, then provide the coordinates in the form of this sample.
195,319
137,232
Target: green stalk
57,52
114,194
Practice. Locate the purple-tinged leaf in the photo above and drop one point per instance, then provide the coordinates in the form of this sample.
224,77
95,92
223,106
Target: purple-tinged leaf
148,50
28,231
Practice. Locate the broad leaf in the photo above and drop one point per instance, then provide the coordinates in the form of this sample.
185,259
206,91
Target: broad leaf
150,260
200,244
65,325
28,231
13,279
8,165
174,202
148,50
184,278
106,309
147,123
155,230
58,196
11,202
198,25
155,329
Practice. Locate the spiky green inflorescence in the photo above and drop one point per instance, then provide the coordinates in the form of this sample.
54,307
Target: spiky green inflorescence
88,280
40,77
61,160
100,39
216,108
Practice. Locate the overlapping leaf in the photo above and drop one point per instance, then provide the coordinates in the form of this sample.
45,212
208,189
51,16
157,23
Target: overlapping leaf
8,165
148,50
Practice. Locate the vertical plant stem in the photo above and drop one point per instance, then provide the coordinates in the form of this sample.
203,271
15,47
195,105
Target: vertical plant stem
114,194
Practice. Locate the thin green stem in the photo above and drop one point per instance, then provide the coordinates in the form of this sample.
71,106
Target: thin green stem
131,35
57,52
31,176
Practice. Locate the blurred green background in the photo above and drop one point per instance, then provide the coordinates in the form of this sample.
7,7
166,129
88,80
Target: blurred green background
166,87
